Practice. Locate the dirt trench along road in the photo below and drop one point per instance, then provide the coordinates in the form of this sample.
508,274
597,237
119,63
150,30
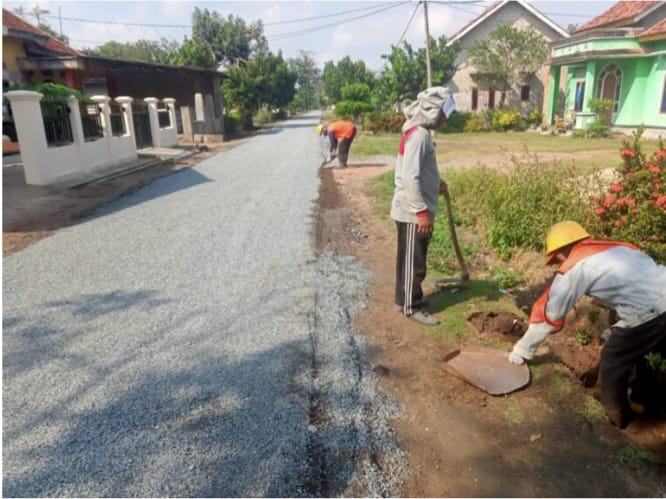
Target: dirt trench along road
187,341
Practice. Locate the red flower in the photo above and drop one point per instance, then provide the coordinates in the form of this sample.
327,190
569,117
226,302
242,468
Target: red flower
661,153
629,175
654,169
600,210
661,202
608,202
628,153
617,224
616,187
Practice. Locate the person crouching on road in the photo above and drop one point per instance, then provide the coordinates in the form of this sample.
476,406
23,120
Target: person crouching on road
340,135
623,279
414,205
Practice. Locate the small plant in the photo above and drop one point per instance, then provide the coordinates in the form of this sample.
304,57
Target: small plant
592,409
656,362
535,117
633,455
582,337
593,315
475,124
505,277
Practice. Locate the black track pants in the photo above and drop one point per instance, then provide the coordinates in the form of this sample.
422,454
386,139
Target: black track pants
625,348
410,266
343,149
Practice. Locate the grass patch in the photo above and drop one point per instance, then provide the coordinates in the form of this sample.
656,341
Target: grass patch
633,455
380,144
592,409
514,415
560,384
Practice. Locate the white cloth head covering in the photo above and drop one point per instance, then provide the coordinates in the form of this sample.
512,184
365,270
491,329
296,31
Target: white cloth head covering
426,109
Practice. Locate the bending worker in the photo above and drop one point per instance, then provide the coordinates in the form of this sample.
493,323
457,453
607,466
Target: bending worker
340,136
623,279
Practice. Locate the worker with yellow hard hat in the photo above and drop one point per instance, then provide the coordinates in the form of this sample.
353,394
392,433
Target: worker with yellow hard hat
626,281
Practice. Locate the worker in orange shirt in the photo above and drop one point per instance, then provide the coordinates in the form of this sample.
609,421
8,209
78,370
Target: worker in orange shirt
340,136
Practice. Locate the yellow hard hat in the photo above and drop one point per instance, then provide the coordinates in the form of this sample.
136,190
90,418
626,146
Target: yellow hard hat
320,127
562,234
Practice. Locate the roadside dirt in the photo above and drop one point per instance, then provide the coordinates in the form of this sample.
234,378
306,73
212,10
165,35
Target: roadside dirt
460,441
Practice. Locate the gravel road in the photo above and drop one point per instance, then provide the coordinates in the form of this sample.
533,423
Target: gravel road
187,341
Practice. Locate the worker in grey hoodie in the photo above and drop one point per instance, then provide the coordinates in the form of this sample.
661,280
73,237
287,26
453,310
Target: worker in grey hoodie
414,205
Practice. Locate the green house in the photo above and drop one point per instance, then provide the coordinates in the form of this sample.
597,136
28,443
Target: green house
619,55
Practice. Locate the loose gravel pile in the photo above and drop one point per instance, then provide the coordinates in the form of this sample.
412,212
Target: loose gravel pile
185,341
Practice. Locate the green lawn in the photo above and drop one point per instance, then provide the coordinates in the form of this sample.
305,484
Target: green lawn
469,149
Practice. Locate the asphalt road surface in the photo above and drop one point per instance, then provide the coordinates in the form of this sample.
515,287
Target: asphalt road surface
186,341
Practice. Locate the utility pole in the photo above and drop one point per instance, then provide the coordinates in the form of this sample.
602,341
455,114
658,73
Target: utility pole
427,45
60,19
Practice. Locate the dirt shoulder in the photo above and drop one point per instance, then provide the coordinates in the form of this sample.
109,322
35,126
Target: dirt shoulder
462,442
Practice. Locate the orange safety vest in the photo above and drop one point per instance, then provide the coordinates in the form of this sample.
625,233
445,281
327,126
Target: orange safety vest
341,129
580,251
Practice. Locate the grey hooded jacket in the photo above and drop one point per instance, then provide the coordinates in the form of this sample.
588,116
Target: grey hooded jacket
416,172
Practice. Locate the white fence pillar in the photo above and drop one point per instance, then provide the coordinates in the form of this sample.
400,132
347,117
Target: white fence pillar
31,136
169,135
102,102
154,120
126,103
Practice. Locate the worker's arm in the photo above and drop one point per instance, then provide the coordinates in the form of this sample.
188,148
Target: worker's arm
416,148
528,344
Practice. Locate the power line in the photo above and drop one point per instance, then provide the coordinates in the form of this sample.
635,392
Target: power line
403,33
281,36
323,16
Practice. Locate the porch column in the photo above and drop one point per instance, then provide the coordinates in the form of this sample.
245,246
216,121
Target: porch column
590,87
154,121
552,93
171,105
31,135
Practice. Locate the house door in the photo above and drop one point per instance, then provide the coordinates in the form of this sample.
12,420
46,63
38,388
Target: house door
610,80
142,133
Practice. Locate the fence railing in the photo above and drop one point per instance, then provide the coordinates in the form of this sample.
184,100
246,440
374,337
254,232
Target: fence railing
164,117
117,114
55,114
91,121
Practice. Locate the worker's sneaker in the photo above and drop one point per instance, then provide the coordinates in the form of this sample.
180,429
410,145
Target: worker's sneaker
419,304
424,317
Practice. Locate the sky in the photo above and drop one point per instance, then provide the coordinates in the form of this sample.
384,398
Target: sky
326,30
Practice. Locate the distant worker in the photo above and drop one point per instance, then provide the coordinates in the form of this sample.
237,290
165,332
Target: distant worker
626,281
340,136
415,198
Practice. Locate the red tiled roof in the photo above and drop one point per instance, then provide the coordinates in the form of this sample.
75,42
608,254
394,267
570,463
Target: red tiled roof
622,13
655,30
12,21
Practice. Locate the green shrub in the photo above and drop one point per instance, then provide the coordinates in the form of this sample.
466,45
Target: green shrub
230,125
597,129
384,122
456,122
535,117
634,208
475,123
507,119
243,119
505,277
262,117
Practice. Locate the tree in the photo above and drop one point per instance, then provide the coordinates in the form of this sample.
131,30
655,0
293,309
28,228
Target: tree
406,75
355,101
231,39
162,52
263,81
307,81
507,57
195,55
346,72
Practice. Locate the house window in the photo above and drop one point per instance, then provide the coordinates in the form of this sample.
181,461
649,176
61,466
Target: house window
475,99
491,98
609,83
580,96
663,98
525,93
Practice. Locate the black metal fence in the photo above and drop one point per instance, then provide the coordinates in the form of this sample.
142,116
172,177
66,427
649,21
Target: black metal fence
117,112
58,129
163,117
91,121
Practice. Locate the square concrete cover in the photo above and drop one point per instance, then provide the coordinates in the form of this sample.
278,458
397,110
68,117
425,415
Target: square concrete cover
487,369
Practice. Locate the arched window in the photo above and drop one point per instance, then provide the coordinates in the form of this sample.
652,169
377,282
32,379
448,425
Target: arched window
608,87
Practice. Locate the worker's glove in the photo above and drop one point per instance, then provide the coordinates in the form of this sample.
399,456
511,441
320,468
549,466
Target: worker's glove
514,358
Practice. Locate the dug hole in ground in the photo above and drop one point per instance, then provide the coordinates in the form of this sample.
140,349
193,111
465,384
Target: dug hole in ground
548,439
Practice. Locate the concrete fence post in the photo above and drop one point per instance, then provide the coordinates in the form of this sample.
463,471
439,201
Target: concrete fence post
154,120
103,102
77,130
171,105
126,103
31,136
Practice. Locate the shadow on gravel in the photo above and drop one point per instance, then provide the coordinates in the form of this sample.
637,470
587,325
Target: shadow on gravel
163,186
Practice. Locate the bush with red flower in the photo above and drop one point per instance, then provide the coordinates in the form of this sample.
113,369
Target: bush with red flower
634,208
